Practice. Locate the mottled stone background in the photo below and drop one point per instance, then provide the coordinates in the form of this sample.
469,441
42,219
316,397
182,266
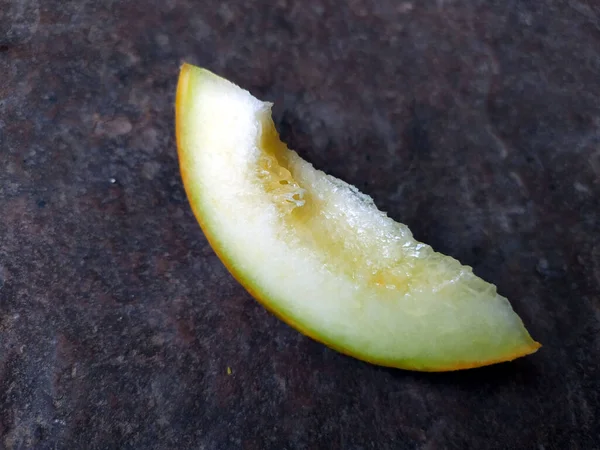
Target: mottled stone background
475,122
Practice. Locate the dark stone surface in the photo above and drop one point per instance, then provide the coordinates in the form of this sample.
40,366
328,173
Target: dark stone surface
475,122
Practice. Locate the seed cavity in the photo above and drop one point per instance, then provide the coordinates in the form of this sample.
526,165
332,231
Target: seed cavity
278,182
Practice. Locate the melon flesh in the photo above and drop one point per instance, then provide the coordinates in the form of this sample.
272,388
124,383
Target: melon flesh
319,254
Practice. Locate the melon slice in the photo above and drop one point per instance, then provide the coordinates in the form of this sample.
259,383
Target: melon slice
319,254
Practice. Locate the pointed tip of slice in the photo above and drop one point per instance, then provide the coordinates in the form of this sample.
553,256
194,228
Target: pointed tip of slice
527,349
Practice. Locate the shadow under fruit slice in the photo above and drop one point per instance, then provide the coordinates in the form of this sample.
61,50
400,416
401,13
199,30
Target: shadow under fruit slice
319,254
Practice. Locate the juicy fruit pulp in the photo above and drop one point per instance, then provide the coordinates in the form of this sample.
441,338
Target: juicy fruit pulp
319,254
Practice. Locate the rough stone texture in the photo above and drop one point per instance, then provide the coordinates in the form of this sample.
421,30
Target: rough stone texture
475,122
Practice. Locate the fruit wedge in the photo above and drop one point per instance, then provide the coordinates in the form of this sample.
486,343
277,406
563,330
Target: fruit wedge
319,254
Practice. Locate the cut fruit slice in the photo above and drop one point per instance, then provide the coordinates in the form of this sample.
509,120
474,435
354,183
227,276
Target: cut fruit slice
319,254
